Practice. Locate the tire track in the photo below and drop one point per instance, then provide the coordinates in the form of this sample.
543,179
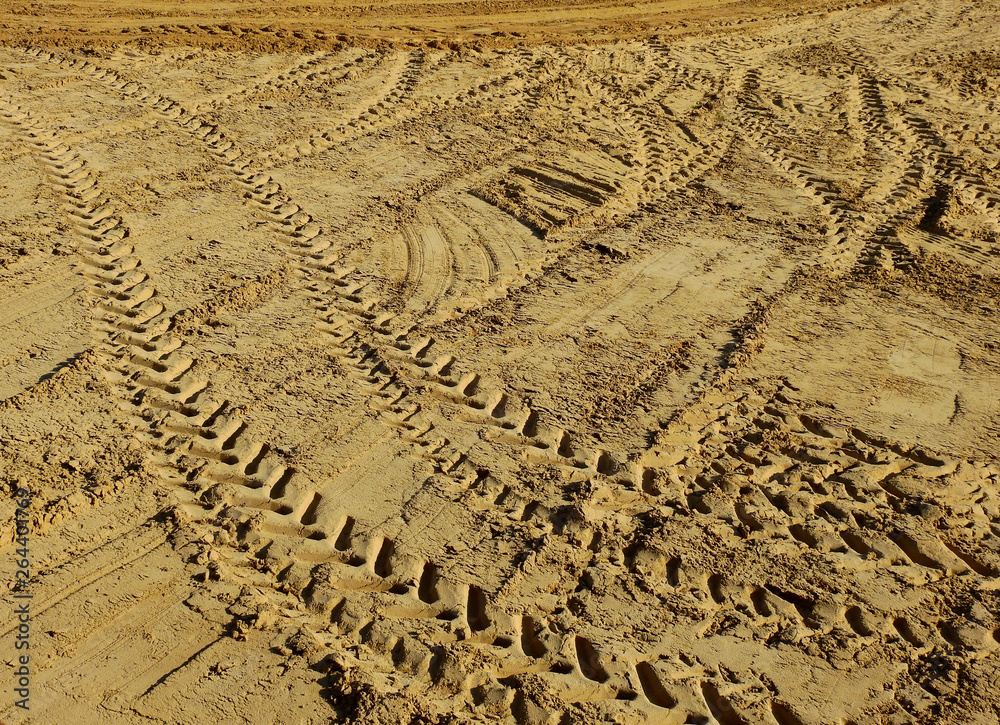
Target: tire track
327,69
429,597
246,485
773,473
668,154
462,390
761,129
237,479
383,357
369,113
770,607
815,466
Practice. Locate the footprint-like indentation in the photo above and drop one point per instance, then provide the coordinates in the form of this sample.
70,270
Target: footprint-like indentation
783,714
674,572
857,621
230,441
280,486
344,536
530,427
383,560
531,645
606,464
427,589
719,706
254,465
309,515
970,561
856,543
760,604
913,551
907,632
564,445
648,478
652,687
589,661
476,609
717,588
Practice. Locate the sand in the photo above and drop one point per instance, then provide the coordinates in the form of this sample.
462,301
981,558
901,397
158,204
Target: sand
500,362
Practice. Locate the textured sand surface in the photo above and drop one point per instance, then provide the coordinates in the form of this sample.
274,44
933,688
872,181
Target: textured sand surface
535,380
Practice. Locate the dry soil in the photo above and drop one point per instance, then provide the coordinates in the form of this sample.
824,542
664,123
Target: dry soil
500,362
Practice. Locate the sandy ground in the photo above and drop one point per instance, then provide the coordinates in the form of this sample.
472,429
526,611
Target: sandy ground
323,24
519,379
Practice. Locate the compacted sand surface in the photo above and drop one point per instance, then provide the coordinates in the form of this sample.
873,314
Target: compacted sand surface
491,362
